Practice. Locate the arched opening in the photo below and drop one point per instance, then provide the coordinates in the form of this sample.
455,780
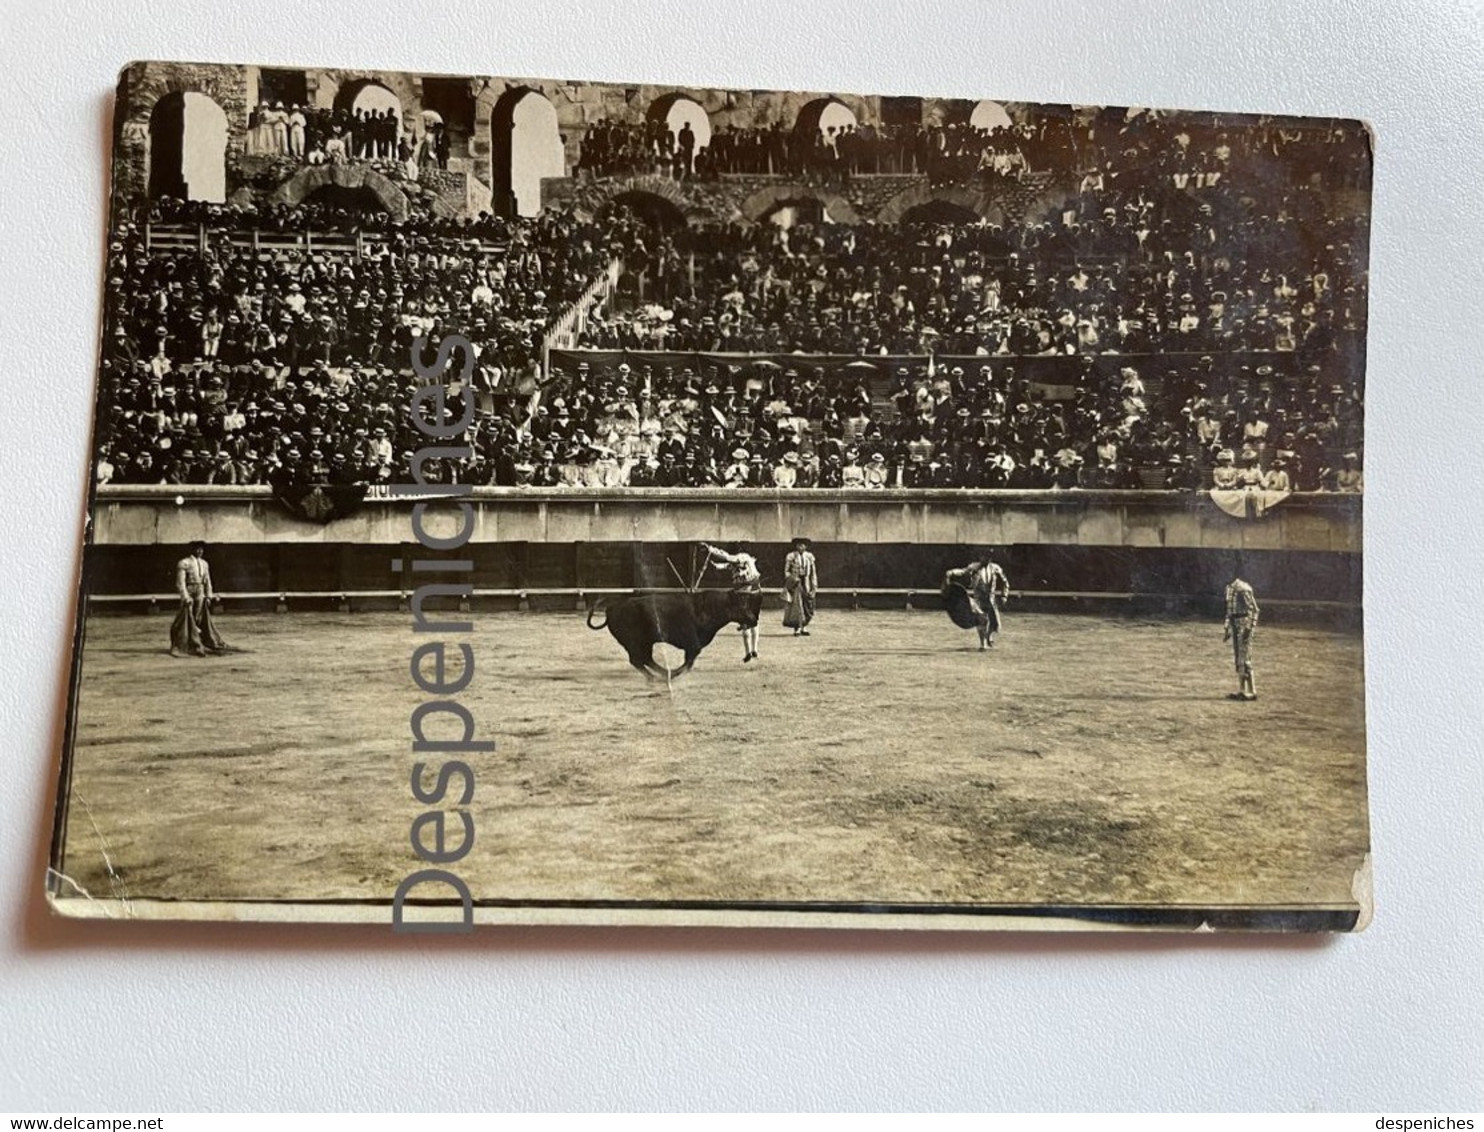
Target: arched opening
526,145
763,203
651,208
377,118
367,96
797,210
166,144
341,185
280,85
827,116
938,212
677,112
989,115
452,102
347,198
188,148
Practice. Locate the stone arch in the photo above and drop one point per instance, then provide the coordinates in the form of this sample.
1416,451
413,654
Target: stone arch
357,176
796,210
525,146
148,83
938,211
665,197
983,114
654,208
671,108
350,93
372,95
987,114
764,201
974,200
141,86
187,154
820,113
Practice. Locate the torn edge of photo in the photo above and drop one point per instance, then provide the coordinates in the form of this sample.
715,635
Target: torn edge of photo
526,501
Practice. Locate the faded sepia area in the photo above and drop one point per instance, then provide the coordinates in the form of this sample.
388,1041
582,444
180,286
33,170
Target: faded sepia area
1023,444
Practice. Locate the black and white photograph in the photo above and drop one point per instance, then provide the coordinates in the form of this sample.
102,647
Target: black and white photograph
564,502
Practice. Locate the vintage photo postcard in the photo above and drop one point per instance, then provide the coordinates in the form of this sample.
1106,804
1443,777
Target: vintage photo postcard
546,501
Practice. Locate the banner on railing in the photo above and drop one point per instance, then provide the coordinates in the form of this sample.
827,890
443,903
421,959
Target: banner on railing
320,503
1247,503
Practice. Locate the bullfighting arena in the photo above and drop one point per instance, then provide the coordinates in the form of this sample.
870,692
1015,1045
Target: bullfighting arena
883,760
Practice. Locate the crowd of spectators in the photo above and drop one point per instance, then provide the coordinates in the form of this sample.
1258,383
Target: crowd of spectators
222,222
1208,290
1173,236
1179,150
1120,270
1202,423
321,135
1203,150
828,155
240,363
1178,238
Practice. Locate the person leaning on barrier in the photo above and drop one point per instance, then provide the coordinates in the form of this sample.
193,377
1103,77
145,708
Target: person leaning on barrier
1225,476
786,471
1349,479
1277,478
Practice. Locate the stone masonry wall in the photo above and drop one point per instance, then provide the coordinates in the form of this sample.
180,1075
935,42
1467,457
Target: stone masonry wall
743,197
578,106
142,85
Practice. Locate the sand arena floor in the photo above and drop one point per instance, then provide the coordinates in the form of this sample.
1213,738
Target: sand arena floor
883,759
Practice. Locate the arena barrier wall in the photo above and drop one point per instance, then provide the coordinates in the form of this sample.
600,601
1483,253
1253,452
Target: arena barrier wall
558,549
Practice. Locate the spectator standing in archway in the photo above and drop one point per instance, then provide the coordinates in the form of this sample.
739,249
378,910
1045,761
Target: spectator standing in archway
685,153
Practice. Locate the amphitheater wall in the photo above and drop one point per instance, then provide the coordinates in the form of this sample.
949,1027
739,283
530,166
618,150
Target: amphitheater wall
1160,546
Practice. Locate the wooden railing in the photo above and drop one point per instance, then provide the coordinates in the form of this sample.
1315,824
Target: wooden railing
200,238
563,333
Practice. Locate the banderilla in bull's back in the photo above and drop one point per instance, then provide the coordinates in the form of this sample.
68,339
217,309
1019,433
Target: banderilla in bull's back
686,621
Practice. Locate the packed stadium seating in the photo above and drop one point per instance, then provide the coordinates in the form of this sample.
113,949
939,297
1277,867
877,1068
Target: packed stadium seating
1189,313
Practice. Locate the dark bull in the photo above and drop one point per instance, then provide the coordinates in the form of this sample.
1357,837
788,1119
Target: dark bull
688,622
